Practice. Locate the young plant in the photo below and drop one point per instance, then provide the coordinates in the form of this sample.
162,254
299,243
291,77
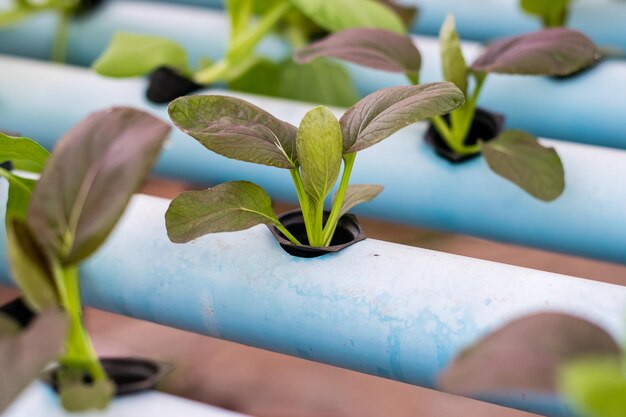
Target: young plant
515,155
25,353
20,10
131,55
58,221
552,13
313,154
546,353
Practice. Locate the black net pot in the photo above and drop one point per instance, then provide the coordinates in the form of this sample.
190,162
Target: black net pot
486,126
129,375
166,84
348,233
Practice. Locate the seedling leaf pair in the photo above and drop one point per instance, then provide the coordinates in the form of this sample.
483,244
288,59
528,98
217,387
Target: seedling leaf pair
81,194
313,153
515,155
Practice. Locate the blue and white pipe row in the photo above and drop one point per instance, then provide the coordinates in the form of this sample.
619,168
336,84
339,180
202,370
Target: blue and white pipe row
38,401
42,101
380,308
484,20
585,109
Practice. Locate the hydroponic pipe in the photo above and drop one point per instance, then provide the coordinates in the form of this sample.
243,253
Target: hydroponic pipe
380,308
602,20
39,401
584,109
43,101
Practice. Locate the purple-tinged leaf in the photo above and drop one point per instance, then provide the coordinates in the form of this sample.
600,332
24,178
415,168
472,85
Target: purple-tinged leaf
407,14
546,52
89,179
228,207
373,48
24,354
521,159
380,114
526,354
237,129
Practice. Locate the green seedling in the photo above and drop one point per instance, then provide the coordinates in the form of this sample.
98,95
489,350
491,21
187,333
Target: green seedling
58,221
515,155
550,353
313,154
20,10
551,13
241,68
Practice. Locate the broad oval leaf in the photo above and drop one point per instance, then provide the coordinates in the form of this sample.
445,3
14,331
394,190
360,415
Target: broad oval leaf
23,355
133,55
25,154
386,111
320,153
237,129
227,207
553,13
29,267
373,48
336,15
595,386
526,354
546,52
452,60
358,194
521,159
89,179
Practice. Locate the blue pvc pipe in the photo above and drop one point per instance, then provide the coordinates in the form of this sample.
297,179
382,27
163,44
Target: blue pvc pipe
40,401
380,308
585,109
43,101
602,20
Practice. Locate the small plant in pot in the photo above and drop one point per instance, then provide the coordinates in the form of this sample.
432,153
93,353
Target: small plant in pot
66,10
545,353
58,221
470,131
313,154
241,68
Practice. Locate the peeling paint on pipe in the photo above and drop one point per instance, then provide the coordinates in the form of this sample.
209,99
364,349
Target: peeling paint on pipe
380,308
575,109
43,101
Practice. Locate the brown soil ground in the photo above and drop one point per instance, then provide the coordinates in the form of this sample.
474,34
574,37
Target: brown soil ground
267,384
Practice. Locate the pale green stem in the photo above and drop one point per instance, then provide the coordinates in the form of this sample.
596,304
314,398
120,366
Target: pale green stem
287,233
333,219
304,202
59,45
79,349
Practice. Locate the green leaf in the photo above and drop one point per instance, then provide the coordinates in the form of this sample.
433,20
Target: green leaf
132,55
526,354
336,15
407,14
227,207
20,190
553,13
23,355
373,48
262,78
25,154
321,82
12,17
237,129
358,194
596,386
239,13
452,60
77,395
546,52
29,268
520,158
319,146
90,178
380,114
